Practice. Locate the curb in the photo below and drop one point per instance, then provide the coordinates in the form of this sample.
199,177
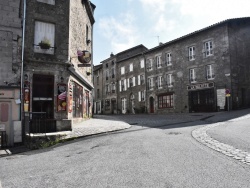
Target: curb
201,136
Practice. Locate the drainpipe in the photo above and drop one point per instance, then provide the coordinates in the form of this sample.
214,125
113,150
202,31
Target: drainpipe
23,37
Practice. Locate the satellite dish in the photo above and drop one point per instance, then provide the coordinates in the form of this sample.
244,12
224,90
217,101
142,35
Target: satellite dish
84,56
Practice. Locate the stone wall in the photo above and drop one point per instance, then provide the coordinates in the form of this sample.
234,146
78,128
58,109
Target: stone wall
10,41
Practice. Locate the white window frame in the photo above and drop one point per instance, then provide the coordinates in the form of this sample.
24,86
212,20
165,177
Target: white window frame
208,48
141,96
142,64
44,31
150,65
131,67
210,72
168,59
169,80
51,2
192,75
122,70
158,62
159,81
191,53
150,83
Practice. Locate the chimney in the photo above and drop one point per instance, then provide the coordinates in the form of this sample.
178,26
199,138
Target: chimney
111,55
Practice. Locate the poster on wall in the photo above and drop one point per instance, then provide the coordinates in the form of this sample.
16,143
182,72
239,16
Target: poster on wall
221,101
61,97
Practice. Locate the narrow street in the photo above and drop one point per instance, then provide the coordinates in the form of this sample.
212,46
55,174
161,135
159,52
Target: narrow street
155,152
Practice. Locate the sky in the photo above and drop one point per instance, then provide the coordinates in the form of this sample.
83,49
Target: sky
123,24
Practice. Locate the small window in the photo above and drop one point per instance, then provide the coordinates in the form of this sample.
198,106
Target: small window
150,83
169,80
51,2
158,61
131,67
149,64
192,75
208,48
142,63
191,53
210,73
159,82
122,70
168,59
44,37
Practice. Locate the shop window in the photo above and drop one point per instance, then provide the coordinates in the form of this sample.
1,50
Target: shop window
165,101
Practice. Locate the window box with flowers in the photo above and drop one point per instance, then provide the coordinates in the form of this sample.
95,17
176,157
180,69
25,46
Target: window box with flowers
45,44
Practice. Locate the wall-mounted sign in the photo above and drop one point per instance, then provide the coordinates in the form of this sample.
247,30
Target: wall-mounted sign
200,86
84,56
61,97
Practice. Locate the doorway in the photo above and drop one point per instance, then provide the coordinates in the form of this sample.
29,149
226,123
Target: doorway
5,119
151,105
43,94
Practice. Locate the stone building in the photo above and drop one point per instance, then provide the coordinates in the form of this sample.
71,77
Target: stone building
192,73
204,71
123,82
98,87
10,67
58,38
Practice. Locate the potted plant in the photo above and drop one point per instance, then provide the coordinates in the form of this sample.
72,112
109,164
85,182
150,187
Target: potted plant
45,44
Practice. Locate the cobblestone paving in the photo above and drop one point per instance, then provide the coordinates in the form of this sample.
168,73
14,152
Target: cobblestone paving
202,136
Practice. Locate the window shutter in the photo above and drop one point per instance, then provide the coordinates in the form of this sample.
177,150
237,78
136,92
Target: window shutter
125,84
139,96
133,81
120,85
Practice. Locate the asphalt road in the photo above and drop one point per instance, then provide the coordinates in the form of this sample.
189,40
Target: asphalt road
146,155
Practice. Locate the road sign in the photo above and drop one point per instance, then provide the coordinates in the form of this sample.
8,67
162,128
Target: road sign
227,91
228,95
84,65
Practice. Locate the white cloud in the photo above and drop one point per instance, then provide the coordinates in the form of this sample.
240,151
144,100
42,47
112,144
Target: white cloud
120,31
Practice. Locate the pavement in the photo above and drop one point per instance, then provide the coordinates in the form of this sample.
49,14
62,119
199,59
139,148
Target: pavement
102,124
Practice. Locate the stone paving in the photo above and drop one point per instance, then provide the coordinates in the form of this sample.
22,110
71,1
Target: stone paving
202,136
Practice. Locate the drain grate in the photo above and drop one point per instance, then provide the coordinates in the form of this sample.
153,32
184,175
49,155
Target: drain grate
174,133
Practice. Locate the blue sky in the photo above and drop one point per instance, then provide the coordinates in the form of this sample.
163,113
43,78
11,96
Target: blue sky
123,24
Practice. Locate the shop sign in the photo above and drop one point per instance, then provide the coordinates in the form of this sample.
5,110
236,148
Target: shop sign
200,86
6,94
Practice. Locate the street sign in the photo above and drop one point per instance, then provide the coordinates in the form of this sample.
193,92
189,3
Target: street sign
227,91
228,95
84,65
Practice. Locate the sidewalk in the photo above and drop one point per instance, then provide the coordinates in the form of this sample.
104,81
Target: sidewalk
86,128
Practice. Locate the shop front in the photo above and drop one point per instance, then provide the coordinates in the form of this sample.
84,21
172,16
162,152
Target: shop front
201,97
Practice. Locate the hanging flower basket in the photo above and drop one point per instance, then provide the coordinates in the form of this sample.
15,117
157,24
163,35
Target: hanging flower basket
45,44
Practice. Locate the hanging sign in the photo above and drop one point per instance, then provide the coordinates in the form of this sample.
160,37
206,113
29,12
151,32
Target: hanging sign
84,56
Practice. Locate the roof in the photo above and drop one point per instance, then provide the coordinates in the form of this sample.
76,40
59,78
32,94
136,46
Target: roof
198,31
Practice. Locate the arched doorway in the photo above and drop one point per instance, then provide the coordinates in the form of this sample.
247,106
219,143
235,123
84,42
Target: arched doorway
151,105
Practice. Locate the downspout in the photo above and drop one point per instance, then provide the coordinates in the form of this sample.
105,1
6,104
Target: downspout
23,38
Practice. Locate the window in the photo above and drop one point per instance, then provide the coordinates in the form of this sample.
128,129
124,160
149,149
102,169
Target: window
107,65
44,37
107,74
122,70
169,80
142,63
122,84
51,2
150,83
107,104
131,67
141,96
130,82
160,81
208,48
191,53
97,80
192,75
158,61
113,72
98,93
150,64
168,59
113,87
165,101
141,79
107,89
77,100
209,71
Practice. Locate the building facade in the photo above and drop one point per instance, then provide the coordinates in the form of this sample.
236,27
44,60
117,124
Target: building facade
55,81
204,71
10,68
